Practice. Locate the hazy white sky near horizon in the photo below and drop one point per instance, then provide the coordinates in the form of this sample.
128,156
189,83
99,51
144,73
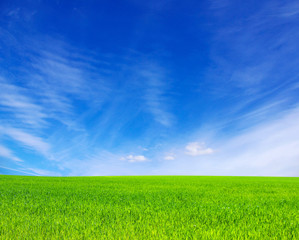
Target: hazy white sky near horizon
149,88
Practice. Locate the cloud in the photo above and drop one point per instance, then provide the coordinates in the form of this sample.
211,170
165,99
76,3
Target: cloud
144,149
169,157
270,148
42,172
17,170
196,149
156,101
7,153
135,158
61,78
54,77
16,102
290,9
248,55
29,140
43,100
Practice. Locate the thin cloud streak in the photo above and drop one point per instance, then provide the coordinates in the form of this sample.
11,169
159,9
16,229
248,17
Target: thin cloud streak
7,153
34,142
155,94
20,171
16,101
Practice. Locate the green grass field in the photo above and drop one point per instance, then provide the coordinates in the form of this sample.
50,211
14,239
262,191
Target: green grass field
155,207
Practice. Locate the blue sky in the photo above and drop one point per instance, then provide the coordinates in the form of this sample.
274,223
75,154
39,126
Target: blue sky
149,88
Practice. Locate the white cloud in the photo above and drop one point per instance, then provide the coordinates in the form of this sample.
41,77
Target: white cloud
134,158
196,149
7,153
169,157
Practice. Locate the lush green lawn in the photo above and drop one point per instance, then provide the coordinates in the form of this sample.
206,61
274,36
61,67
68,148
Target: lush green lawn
149,208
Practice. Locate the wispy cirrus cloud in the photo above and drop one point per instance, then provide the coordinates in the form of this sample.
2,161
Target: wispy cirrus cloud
42,172
39,106
19,107
285,9
270,147
26,139
18,171
248,55
7,153
61,79
155,93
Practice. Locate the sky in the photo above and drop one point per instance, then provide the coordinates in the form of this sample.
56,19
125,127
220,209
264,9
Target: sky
158,87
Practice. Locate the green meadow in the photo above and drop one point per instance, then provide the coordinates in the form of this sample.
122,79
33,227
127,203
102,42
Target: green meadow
153,207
